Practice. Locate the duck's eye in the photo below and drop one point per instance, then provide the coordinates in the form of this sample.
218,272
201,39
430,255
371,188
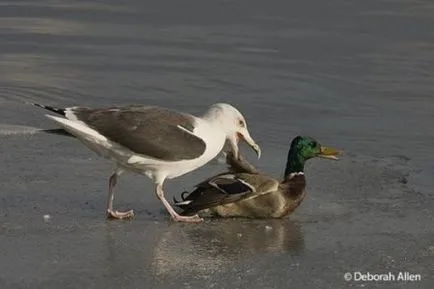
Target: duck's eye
241,123
314,144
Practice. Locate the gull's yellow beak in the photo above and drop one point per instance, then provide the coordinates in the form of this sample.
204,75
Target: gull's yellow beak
329,153
248,139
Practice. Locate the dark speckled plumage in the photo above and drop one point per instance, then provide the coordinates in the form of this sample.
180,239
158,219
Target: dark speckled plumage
250,193
244,191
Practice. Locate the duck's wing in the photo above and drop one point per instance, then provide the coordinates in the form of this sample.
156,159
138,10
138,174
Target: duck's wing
224,189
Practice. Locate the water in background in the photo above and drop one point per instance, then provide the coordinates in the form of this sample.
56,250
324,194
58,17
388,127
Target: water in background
357,75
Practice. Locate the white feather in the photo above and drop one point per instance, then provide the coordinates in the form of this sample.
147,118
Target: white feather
79,129
295,174
70,114
184,203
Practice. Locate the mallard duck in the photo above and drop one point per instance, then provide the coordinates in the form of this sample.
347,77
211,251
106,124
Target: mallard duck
244,191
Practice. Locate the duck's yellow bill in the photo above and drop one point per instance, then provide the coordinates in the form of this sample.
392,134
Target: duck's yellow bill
329,153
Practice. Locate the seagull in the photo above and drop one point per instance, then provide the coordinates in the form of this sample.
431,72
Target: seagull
154,141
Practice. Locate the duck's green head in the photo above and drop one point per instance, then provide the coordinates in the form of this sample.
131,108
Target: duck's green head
307,148
304,148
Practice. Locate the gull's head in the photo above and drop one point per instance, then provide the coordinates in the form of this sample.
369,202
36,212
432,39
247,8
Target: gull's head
233,123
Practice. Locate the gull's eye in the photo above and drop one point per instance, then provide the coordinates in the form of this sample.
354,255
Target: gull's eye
241,123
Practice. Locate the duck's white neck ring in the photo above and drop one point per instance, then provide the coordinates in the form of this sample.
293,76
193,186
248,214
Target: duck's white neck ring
291,175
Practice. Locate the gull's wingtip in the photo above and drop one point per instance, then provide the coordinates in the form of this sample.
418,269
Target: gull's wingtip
59,111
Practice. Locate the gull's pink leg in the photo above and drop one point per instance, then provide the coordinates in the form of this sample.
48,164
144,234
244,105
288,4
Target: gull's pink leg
175,216
111,214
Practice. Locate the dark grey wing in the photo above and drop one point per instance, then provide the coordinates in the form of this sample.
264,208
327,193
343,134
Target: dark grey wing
152,131
223,189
